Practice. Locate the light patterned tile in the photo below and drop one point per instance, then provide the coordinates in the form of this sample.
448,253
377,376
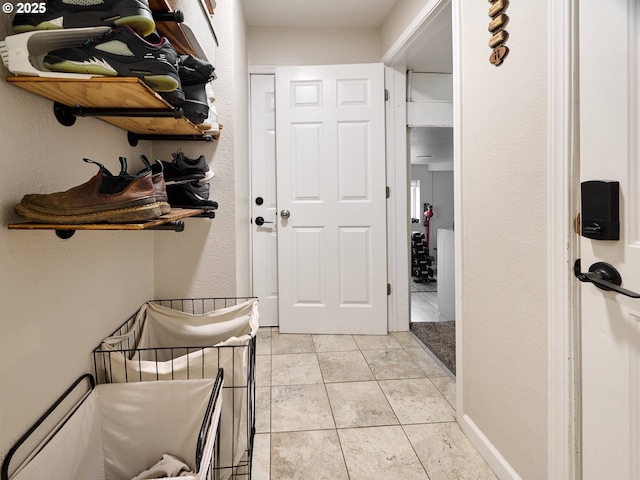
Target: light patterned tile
446,453
447,387
429,366
406,339
334,343
344,366
380,453
307,455
263,409
291,343
376,342
261,461
392,364
263,341
300,407
417,401
295,369
263,370
359,404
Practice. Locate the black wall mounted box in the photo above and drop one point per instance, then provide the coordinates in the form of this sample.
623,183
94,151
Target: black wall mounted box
600,217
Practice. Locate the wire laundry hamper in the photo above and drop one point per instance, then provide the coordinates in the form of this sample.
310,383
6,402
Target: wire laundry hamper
114,431
203,334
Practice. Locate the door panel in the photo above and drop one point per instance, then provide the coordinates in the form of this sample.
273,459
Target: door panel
307,171
355,258
331,178
308,256
263,185
610,330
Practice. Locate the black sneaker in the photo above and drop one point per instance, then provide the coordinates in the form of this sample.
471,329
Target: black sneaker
87,13
121,52
190,195
183,169
194,74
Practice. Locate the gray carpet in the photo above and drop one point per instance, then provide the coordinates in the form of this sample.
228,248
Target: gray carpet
440,338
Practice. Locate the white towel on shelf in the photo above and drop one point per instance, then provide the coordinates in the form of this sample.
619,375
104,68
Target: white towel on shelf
168,466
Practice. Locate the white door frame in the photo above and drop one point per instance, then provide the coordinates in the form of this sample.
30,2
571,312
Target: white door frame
398,229
563,289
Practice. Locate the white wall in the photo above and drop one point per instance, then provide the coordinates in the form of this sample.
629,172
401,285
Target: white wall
62,297
312,46
402,14
210,258
503,234
59,297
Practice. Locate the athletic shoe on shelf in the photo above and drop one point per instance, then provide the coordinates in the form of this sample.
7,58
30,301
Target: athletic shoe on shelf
195,75
183,169
121,52
59,14
175,97
210,125
190,195
105,198
211,95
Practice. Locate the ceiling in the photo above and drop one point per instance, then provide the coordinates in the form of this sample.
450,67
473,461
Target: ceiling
430,50
317,13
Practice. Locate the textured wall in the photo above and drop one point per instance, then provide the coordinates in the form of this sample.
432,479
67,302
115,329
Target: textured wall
202,260
59,297
312,46
504,235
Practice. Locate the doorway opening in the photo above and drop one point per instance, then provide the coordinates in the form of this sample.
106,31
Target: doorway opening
431,165
428,60
432,238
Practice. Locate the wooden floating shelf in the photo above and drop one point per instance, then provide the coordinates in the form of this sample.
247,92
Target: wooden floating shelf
112,93
171,29
170,220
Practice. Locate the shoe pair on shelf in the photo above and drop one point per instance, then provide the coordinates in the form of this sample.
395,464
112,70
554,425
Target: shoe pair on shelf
59,14
105,198
131,48
210,124
187,182
125,198
195,75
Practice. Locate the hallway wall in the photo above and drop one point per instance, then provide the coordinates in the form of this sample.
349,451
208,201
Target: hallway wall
271,46
210,258
59,298
62,297
503,233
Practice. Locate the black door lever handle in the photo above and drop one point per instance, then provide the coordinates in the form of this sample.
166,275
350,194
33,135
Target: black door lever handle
604,276
260,221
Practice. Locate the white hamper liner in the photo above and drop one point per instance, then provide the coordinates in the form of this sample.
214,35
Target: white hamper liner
121,430
167,344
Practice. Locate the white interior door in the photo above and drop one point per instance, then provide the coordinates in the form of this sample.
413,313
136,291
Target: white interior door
331,187
263,202
609,150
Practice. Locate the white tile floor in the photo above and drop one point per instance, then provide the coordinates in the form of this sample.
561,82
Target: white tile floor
351,407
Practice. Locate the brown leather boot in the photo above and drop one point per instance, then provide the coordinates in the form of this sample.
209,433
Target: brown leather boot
104,198
159,186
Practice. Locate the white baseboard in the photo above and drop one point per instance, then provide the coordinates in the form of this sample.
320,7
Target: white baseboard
491,455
